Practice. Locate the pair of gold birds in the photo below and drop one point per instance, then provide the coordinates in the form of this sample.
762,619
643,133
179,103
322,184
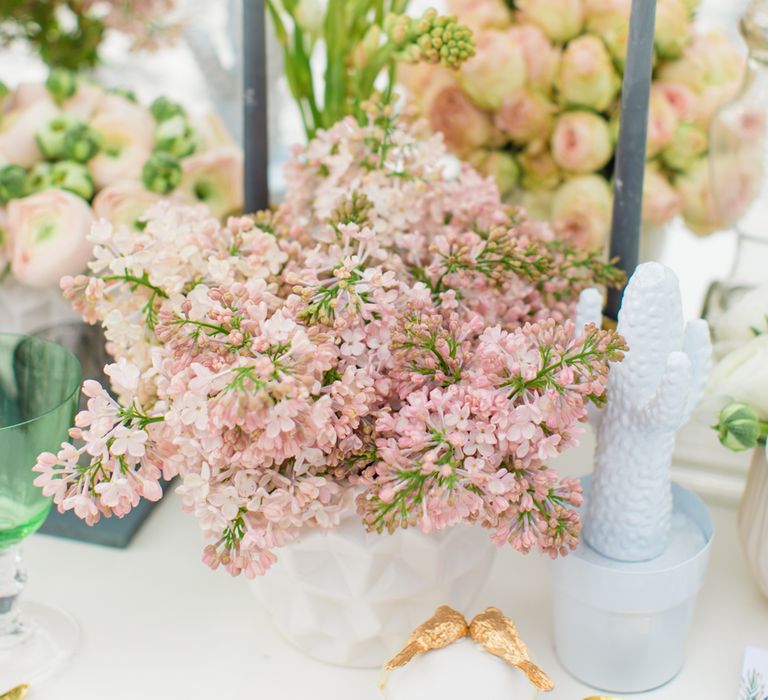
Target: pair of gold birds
491,629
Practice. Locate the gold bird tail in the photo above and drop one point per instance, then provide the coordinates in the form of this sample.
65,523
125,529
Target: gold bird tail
536,676
405,655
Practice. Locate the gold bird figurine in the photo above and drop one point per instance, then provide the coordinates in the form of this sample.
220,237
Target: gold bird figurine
16,694
444,628
498,635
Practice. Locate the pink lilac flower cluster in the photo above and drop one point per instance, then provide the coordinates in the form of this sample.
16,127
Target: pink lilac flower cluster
145,22
392,332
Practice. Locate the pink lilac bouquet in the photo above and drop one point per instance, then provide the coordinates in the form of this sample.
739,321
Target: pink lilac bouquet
73,152
537,107
390,331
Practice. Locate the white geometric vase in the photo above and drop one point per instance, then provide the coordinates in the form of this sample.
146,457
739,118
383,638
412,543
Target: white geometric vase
753,519
351,598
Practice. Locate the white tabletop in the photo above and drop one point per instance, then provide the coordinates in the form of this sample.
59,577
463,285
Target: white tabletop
156,623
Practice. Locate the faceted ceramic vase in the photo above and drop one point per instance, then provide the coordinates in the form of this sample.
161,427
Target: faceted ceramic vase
351,597
753,519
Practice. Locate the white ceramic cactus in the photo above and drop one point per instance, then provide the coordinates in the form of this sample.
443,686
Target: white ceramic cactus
652,394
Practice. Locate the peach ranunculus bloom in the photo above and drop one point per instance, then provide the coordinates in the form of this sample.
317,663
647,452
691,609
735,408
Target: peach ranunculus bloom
526,115
581,142
661,201
215,179
542,57
482,14
48,236
560,20
496,70
18,128
582,210
586,77
123,203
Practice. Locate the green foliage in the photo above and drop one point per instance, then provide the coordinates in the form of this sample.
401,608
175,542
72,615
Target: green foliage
62,32
363,40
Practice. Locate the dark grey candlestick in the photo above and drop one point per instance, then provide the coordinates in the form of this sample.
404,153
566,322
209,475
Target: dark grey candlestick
255,106
630,153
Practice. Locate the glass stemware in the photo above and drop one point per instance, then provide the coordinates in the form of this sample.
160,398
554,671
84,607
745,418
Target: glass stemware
39,391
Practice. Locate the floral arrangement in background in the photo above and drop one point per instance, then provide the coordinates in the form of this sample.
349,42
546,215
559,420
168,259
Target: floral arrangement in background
69,33
390,331
72,152
738,386
538,108
363,41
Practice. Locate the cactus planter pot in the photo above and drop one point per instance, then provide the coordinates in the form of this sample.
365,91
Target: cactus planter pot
622,627
625,598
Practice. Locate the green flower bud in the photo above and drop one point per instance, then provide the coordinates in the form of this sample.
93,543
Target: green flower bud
39,178
13,183
175,136
81,143
738,427
437,38
129,95
73,177
161,173
61,83
50,139
162,108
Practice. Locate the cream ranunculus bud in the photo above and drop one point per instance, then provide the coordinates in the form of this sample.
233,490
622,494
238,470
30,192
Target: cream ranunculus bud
561,20
688,145
674,28
450,112
215,179
539,169
684,101
499,165
542,58
496,70
526,115
123,204
481,14
661,201
699,207
581,210
742,377
662,123
18,129
49,233
211,132
587,77
13,183
581,142
738,427
609,19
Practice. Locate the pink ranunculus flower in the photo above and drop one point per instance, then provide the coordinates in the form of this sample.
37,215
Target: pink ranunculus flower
560,20
581,210
27,94
86,101
539,169
450,112
661,201
662,122
496,70
713,67
481,14
699,205
581,142
17,132
684,100
609,19
123,203
211,132
128,134
526,115
49,233
586,77
674,28
542,57
215,179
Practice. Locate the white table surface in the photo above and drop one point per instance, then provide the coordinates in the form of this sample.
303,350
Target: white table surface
157,623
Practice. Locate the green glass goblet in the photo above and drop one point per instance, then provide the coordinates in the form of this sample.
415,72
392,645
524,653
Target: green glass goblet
39,392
